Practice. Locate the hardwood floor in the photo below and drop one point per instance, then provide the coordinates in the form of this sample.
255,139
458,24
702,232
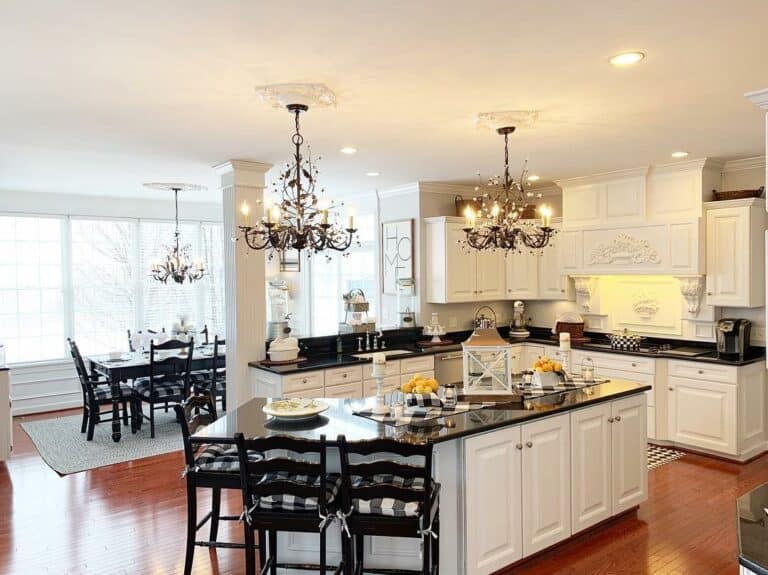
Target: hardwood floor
130,518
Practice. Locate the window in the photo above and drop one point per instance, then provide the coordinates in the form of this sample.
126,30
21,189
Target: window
31,288
89,278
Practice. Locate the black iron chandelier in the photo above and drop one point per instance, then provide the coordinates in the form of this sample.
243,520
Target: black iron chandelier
178,265
300,220
499,222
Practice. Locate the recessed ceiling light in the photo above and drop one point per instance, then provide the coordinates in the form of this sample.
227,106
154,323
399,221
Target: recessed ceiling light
349,150
627,58
533,178
372,174
679,154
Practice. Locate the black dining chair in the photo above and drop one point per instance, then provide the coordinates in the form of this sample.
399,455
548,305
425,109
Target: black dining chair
215,379
168,381
214,466
282,494
389,497
97,393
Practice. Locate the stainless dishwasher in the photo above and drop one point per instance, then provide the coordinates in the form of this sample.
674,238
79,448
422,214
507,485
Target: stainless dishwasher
449,367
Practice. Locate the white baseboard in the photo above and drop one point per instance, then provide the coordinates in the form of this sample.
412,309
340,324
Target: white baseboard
41,404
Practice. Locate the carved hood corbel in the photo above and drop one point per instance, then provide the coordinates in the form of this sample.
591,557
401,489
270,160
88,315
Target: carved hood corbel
691,288
584,287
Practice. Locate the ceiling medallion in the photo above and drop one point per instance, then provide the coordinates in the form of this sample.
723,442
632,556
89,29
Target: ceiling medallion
300,219
283,95
498,222
178,265
520,118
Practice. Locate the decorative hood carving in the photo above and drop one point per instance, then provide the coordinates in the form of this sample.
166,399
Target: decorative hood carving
625,249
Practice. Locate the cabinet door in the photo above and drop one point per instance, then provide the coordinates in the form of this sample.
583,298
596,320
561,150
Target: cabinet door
552,283
643,379
702,414
461,267
492,500
546,483
490,275
728,252
629,446
352,390
522,271
591,488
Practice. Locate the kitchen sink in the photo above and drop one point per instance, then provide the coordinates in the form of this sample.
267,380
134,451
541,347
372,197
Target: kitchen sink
386,352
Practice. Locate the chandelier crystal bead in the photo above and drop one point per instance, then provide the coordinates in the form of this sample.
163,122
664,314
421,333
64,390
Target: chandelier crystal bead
300,220
498,222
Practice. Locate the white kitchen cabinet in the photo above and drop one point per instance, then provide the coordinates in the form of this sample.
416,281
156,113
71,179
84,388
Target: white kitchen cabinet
629,453
546,482
390,383
642,379
522,271
591,461
6,421
735,251
455,273
552,284
493,475
530,354
702,413
313,392
353,390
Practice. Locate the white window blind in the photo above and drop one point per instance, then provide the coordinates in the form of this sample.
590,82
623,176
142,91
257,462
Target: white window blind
31,288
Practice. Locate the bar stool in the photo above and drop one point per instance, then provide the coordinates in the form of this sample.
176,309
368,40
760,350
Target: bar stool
386,497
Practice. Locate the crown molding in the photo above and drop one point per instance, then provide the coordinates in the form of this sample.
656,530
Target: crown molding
755,163
688,165
446,188
399,190
546,191
604,177
758,98
242,165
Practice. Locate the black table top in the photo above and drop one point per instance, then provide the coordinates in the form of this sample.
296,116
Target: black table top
752,511
250,420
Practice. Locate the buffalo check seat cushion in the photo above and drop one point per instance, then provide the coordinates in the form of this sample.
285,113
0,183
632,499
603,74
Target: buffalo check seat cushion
221,385
388,506
285,502
103,391
164,388
221,458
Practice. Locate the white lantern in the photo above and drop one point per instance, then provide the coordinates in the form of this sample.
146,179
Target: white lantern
487,363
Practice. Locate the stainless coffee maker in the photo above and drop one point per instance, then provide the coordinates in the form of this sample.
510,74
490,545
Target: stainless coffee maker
733,337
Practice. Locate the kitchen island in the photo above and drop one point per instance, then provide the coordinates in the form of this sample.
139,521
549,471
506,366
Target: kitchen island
516,478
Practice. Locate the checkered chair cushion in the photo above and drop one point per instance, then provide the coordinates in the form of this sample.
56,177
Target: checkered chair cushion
200,377
164,389
103,391
221,458
292,503
388,506
221,385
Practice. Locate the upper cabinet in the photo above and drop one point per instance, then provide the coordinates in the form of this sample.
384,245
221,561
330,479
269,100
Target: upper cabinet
616,197
456,274
736,253
534,276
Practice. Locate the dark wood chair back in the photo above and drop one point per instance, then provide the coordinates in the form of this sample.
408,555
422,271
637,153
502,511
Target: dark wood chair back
86,383
385,466
219,361
174,364
130,342
252,473
195,412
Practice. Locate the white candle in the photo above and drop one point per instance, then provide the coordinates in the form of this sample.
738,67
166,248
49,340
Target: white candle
379,365
245,211
565,341
546,215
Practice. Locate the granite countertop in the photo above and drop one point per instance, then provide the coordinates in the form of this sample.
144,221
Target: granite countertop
752,514
326,360
250,420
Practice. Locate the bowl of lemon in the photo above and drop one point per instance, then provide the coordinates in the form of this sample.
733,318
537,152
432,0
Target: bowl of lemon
420,394
547,372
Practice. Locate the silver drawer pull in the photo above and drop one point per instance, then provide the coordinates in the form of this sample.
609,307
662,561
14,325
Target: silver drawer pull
634,364
447,357
701,372
304,380
519,446
344,376
671,388
610,420
618,418
529,444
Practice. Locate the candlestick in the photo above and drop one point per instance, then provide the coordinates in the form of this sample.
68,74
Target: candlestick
546,215
324,217
245,212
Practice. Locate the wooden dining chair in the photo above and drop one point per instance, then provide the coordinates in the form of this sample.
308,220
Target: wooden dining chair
384,493
215,379
281,494
97,393
168,380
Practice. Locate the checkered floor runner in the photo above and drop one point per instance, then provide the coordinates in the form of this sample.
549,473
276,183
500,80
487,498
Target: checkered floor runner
658,456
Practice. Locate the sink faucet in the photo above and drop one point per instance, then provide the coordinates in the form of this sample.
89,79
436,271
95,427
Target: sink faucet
367,340
382,345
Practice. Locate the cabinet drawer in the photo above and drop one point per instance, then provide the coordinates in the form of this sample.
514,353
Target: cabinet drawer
391,383
393,368
634,377
314,392
352,390
405,378
301,381
340,375
620,361
417,364
703,371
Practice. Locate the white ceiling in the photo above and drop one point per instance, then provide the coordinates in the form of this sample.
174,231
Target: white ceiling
97,97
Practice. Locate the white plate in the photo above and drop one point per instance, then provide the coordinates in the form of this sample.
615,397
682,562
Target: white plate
295,409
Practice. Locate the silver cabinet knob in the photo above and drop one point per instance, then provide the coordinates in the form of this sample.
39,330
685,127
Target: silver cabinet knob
519,446
304,380
709,293
671,388
701,371
618,418
562,291
529,444
610,420
344,376
634,364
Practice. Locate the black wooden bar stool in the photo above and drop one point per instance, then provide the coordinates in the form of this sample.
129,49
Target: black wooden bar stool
387,497
282,493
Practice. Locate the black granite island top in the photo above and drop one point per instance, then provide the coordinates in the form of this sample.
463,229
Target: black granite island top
752,511
250,420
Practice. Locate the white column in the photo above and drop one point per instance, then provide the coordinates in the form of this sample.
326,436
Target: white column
244,288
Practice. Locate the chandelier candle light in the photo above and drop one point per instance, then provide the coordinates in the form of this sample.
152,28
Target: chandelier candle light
300,220
498,223
178,265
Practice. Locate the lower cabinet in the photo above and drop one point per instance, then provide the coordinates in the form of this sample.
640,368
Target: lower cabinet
531,486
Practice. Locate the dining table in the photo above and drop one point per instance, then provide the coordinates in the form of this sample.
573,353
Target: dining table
134,365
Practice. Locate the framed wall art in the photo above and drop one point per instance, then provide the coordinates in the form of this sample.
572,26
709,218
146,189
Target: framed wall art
396,253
